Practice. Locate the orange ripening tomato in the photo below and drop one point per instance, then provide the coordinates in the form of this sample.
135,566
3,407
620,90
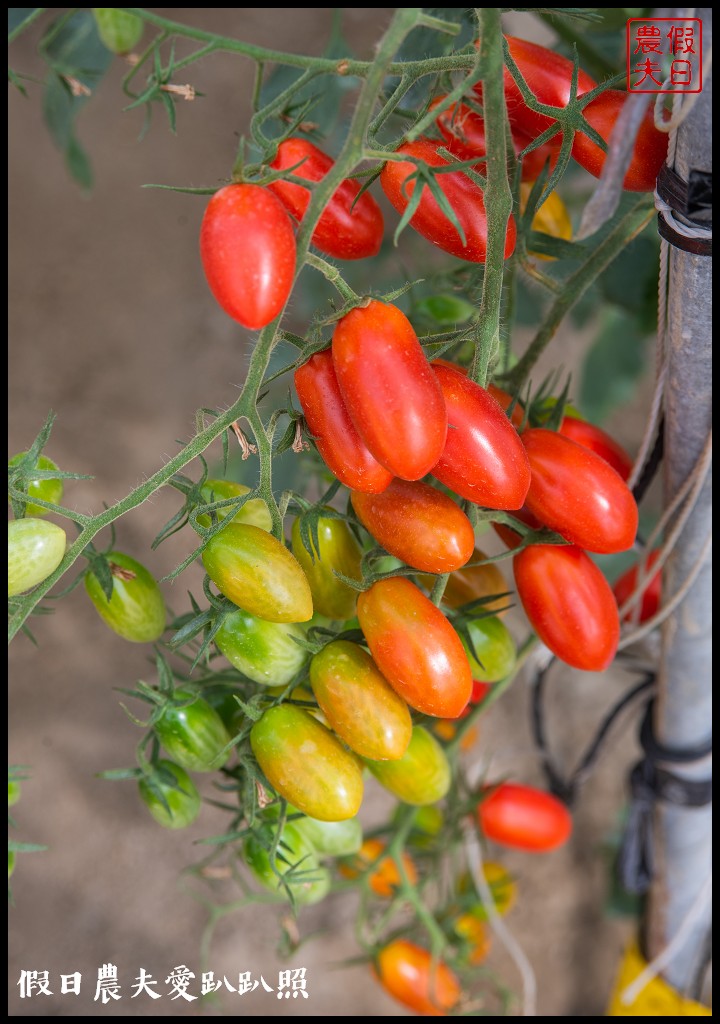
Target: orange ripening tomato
409,974
389,389
415,647
349,228
417,524
385,879
472,582
569,604
475,934
333,431
483,459
429,220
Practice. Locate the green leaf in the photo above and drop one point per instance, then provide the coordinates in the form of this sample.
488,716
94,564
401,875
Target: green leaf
613,366
17,16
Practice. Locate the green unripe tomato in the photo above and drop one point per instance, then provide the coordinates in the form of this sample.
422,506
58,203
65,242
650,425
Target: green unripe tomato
255,512
121,32
258,574
327,838
45,488
337,549
493,653
170,795
263,651
193,735
421,776
35,550
296,863
13,791
136,609
11,861
306,764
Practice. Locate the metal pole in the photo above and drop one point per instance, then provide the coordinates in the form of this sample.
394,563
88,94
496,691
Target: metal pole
683,709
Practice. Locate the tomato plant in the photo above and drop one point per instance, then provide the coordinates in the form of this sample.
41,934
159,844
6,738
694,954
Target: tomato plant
524,818
351,225
258,574
418,524
359,704
415,647
409,974
389,389
35,550
483,459
577,493
429,219
170,795
192,733
136,608
332,428
306,764
248,252
569,604
337,551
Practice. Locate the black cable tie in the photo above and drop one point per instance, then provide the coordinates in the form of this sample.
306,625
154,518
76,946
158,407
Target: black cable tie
696,246
655,751
687,198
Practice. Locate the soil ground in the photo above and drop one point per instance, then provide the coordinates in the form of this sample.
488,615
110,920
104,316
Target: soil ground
112,327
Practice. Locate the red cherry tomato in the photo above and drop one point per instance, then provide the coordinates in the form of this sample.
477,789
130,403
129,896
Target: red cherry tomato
418,524
598,441
576,492
650,147
627,585
483,459
569,604
524,818
389,389
463,132
347,230
334,433
248,252
407,972
463,195
415,647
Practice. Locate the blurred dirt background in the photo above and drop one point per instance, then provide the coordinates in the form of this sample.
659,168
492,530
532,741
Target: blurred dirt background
111,325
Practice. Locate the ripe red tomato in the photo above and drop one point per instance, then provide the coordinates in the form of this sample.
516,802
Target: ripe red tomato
627,585
503,399
418,524
463,132
524,818
409,974
463,195
569,604
598,441
347,230
389,389
576,492
650,147
334,433
415,647
483,458
360,705
248,252
549,77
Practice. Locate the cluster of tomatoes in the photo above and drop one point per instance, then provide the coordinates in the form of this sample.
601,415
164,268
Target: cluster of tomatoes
381,682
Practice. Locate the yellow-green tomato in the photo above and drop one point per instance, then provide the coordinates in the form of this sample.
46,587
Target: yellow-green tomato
255,512
170,795
331,838
337,550
359,703
120,31
265,652
45,488
136,609
492,655
35,550
306,764
421,776
295,866
258,574
193,733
